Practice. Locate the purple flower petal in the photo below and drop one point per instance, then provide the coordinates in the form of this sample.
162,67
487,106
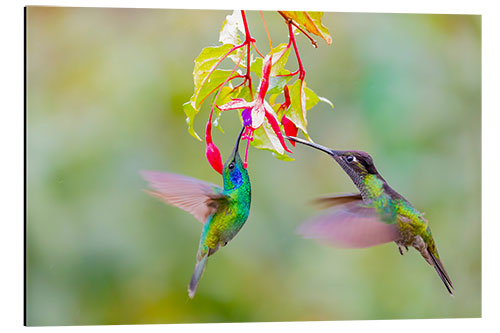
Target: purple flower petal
247,117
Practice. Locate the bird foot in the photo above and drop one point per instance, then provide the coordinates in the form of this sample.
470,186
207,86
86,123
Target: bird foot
400,248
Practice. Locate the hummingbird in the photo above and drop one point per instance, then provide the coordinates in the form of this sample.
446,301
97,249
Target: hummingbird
376,215
223,211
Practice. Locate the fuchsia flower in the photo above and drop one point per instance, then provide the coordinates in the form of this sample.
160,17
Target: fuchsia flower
255,111
288,125
211,151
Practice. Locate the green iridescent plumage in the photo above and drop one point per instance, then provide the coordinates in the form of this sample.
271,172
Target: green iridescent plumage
233,208
222,210
378,214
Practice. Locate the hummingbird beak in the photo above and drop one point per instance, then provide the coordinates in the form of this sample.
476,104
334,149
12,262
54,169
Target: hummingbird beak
329,151
235,150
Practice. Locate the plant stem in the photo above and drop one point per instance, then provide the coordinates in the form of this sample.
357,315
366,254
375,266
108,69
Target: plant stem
267,32
290,21
302,72
248,41
257,50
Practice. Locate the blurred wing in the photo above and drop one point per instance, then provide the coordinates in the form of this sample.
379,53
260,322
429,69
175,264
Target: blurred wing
350,226
337,199
192,195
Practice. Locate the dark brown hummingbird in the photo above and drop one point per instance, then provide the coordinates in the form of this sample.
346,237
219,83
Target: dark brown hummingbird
376,215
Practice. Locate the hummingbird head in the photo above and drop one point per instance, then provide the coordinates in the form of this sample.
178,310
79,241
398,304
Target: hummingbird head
233,173
357,164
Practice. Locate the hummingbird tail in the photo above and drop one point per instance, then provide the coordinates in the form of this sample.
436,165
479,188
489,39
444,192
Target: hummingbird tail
438,266
195,278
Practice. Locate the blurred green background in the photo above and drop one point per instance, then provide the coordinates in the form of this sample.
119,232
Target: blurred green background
105,89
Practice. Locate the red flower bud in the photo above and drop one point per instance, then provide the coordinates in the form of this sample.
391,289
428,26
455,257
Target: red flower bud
211,151
213,156
290,128
286,92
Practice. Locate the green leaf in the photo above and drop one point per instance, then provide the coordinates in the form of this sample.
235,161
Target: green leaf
192,107
310,21
217,78
283,157
265,138
205,79
206,62
301,100
256,67
190,113
243,92
272,100
277,83
280,58
311,98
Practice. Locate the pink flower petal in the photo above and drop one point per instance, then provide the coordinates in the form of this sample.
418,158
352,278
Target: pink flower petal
258,114
237,103
276,128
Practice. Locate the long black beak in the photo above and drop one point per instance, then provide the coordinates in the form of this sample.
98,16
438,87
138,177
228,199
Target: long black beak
329,151
236,146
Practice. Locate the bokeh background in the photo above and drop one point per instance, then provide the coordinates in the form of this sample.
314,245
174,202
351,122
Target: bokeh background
105,89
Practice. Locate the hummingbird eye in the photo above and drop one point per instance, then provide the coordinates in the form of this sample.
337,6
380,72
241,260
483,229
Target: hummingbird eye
231,166
350,158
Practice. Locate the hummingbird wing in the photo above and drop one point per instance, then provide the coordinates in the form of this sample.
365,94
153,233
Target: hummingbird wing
197,197
350,225
337,199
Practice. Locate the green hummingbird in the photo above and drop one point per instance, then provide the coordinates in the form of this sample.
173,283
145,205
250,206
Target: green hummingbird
223,211
376,215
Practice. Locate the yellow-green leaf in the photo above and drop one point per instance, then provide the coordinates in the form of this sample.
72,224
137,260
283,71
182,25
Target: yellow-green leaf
277,83
280,58
217,78
207,61
205,79
310,21
190,113
301,100
256,67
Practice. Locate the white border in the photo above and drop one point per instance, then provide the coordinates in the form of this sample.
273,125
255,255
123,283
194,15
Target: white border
12,161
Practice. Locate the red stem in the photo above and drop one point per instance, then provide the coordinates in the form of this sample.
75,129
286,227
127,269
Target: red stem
302,72
257,50
248,41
